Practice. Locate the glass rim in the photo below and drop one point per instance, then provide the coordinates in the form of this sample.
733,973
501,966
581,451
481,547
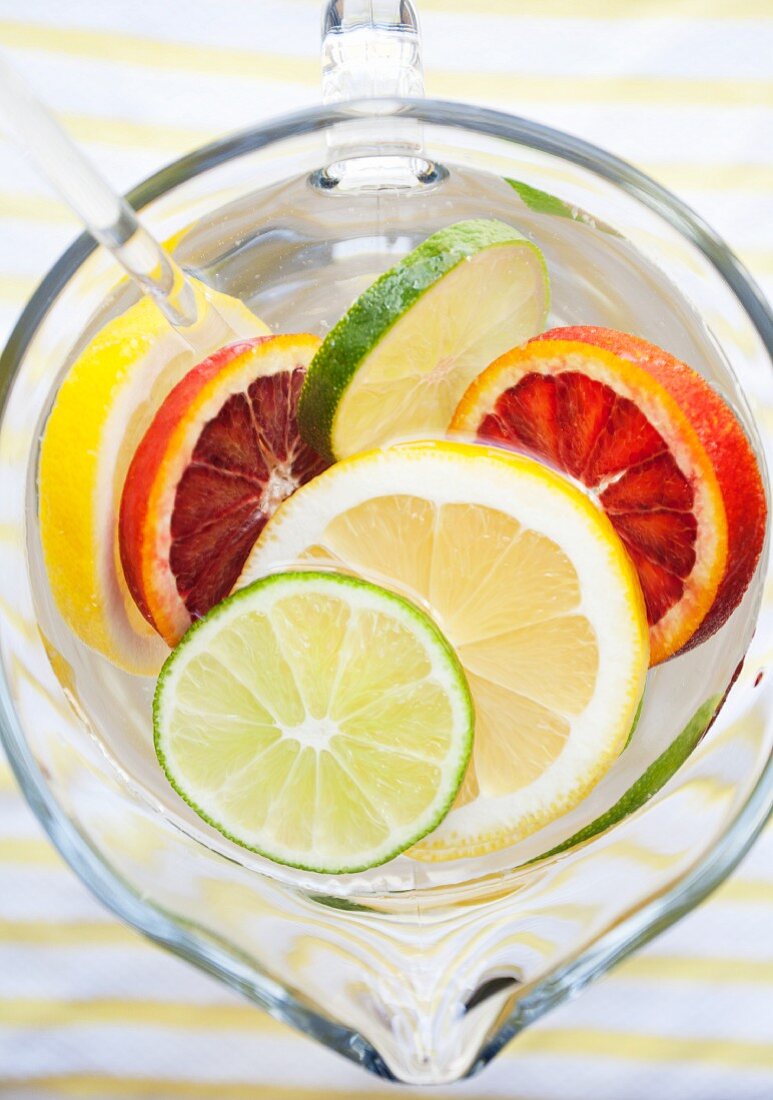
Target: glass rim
655,913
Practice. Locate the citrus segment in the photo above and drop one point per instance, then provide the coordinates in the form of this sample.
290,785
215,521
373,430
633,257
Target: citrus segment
103,406
221,453
317,719
728,448
526,578
611,425
399,360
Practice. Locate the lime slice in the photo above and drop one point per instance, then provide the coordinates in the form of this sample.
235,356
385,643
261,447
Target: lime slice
398,362
316,719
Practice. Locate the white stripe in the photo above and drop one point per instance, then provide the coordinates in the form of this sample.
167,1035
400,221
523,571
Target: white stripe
9,314
598,47
737,217
205,102
123,166
722,929
758,861
17,820
645,133
40,893
171,1052
273,26
29,248
140,971
689,1010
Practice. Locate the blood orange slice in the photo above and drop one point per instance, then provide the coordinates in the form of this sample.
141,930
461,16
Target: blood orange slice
726,444
221,454
615,427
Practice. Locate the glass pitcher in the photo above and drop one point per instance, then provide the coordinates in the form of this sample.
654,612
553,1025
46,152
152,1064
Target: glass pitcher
421,973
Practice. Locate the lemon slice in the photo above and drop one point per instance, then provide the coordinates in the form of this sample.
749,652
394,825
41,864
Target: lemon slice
527,580
398,362
317,719
103,407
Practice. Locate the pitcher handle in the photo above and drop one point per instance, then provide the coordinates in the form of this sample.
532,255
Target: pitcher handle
371,49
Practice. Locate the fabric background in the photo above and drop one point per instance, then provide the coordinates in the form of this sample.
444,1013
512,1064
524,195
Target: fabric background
683,89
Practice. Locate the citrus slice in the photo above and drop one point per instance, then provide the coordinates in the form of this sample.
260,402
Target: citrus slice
397,363
317,719
527,579
726,444
613,426
220,455
104,404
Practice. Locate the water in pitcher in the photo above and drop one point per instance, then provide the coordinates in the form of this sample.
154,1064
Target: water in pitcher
298,254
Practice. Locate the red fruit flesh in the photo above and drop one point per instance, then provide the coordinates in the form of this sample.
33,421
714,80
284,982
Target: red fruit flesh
247,461
220,456
582,426
727,446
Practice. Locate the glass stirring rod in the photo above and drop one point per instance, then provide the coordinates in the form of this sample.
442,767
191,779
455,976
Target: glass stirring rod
107,216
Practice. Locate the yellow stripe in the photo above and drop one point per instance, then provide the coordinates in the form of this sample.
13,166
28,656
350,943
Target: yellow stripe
16,288
34,208
291,69
7,781
171,140
649,967
129,49
29,1013
685,969
758,260
19,622
755,891
712,177
29,851
26,1012
662,90
641,968
625,1046
87,1086
69,934
38,1012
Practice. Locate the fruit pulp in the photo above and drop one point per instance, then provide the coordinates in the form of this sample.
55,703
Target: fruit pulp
298,256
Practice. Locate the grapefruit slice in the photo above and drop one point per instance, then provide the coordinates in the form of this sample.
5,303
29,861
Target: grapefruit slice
613,425
528,581
106,401
221,454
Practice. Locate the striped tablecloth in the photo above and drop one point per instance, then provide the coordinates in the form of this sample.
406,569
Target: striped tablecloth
683,88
